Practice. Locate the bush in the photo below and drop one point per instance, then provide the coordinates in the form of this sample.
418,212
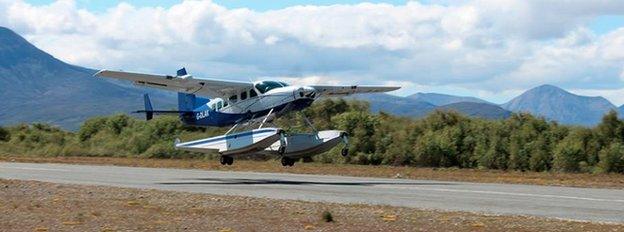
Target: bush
5,135
327,216
160,150
91,127
117,123
612,158
567,155
540,158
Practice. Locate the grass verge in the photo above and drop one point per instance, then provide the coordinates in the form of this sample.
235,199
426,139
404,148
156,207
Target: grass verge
448,174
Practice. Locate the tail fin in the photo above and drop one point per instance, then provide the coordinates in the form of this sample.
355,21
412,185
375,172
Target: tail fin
149,111
186,102
181,72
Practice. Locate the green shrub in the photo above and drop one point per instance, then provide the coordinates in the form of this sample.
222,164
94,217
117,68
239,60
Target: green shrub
160,150
327,216
5,135
117,123
90,127
567,155
541,159
612,158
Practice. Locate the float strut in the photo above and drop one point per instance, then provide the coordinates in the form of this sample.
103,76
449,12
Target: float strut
265,118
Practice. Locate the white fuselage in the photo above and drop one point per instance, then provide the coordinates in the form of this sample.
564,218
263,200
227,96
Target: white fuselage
245,102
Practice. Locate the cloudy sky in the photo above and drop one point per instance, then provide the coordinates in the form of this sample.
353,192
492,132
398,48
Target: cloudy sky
493,49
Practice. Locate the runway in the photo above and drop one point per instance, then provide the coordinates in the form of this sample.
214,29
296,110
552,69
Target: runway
591,204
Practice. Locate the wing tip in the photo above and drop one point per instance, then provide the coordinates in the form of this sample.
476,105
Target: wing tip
99,73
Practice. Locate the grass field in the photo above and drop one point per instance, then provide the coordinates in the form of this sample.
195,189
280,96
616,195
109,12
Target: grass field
39,206
469,175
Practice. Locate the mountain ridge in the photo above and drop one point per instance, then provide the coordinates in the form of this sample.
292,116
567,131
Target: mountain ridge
560,105
37,87
439,99
404,106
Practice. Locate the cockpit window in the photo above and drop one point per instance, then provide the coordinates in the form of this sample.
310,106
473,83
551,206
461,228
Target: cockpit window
283,84
265,86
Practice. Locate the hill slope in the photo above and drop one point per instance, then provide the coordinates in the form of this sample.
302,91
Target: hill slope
557,104
479,110
395,105
443,99
36,87
404,106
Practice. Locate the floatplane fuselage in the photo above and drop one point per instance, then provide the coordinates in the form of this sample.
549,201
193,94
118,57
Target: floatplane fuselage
236,103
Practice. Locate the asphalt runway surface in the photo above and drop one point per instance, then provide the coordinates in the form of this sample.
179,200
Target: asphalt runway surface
590,204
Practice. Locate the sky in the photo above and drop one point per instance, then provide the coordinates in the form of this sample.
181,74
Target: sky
491,49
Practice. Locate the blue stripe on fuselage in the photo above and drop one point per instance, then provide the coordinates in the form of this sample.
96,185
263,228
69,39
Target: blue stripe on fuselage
205,116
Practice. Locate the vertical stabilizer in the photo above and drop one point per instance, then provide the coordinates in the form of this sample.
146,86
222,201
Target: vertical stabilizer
181,72
186,102
189,102
149,110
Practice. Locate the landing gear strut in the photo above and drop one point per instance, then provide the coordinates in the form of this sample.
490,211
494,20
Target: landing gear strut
344,151
345,140
226,160
287,161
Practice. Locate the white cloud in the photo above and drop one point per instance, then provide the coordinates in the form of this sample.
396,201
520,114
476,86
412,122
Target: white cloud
485,48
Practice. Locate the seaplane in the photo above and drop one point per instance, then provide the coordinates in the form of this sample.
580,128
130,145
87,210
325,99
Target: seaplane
249,108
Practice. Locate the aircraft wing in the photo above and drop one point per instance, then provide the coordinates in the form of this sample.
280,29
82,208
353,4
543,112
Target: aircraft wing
333,90
184,83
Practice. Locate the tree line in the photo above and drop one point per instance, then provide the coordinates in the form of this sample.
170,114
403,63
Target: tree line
442,139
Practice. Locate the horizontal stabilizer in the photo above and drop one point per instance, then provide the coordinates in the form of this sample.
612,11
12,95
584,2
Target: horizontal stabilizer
162,111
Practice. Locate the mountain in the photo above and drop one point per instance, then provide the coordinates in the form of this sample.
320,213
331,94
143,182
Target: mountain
404,106
478,110
395,105
557,104
36,87
443,99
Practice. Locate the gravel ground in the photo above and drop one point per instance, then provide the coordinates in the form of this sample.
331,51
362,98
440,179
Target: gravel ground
40,206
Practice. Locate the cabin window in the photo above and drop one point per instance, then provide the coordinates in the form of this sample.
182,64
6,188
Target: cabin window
244,95
225,104
265,86
234,98
219,105
252,93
